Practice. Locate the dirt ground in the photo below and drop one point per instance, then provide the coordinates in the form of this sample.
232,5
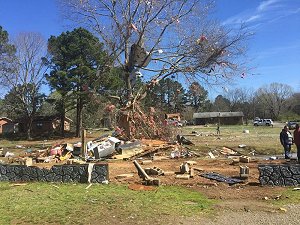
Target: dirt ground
245,203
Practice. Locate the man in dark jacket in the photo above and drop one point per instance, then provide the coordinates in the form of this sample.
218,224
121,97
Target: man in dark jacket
286,139
297,140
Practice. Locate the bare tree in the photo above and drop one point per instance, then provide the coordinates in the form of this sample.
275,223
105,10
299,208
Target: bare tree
25,78
241,99
274,98
160,38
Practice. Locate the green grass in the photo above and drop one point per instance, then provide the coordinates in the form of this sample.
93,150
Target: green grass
38,203
288,196
264,140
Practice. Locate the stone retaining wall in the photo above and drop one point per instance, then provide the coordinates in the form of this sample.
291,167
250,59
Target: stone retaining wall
97,173
279,174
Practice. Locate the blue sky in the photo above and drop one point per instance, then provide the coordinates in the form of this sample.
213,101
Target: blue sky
274,50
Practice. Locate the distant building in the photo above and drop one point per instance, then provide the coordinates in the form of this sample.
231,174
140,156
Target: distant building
224,118
45,125
173,116
7,126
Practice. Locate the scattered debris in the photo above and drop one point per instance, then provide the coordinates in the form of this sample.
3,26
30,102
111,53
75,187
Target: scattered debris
145,162
211,155
244,159
124,176
88,186
168,173
221,178
183,141
272,158
154,171
9,154
183,176
103,148
228,151
242,146
184,168
278,197
244,172
192,172
198,169
191,163
147,180
283,209
18,184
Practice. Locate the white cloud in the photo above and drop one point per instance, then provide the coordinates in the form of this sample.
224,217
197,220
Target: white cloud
253,18
266,11
265,5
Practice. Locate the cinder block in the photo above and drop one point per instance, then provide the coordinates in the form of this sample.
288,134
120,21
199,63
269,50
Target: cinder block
245,159
192,172
146,162
168,173
184,168
191,162
183,176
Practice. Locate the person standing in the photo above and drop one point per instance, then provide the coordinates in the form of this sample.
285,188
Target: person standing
286,139
297,140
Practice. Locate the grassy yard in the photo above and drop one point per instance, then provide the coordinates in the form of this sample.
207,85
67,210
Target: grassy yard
264,140
44,203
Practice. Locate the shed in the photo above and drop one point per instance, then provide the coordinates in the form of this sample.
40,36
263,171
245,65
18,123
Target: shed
225,118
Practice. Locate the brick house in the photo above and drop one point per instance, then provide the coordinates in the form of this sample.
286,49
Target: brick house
7,126
45,125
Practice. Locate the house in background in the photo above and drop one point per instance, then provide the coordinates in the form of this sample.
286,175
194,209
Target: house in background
224,118
173,116
7,126
45,125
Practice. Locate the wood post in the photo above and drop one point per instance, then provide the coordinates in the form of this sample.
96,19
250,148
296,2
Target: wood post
83,144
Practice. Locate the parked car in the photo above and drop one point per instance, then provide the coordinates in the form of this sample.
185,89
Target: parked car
292,124
263,122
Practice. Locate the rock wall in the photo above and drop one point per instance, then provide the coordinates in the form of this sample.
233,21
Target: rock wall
279,174
95,173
